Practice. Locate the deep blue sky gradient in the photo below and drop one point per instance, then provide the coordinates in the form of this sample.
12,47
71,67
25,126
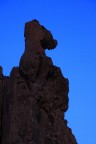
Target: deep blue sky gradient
73,24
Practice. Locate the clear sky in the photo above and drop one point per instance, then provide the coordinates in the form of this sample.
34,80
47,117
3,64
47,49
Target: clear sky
73,24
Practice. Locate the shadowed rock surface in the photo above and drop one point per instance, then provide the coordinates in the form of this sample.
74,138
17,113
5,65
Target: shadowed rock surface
34,98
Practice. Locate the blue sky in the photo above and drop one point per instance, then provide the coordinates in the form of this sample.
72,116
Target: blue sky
73,24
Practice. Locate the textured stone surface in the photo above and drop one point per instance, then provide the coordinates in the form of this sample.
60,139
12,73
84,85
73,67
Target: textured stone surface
34,98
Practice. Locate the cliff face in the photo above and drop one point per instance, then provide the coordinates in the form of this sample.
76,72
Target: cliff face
34,98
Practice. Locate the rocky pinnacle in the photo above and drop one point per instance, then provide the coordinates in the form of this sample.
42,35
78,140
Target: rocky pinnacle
34,98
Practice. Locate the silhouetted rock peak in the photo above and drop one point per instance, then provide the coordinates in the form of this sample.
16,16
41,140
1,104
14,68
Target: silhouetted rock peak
34,98
36,33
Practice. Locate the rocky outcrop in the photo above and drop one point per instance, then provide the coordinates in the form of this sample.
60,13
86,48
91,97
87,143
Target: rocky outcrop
34,98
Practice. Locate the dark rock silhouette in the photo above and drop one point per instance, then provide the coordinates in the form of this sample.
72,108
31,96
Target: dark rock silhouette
35,96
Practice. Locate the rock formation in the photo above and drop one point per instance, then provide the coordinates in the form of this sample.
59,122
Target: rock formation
34,98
